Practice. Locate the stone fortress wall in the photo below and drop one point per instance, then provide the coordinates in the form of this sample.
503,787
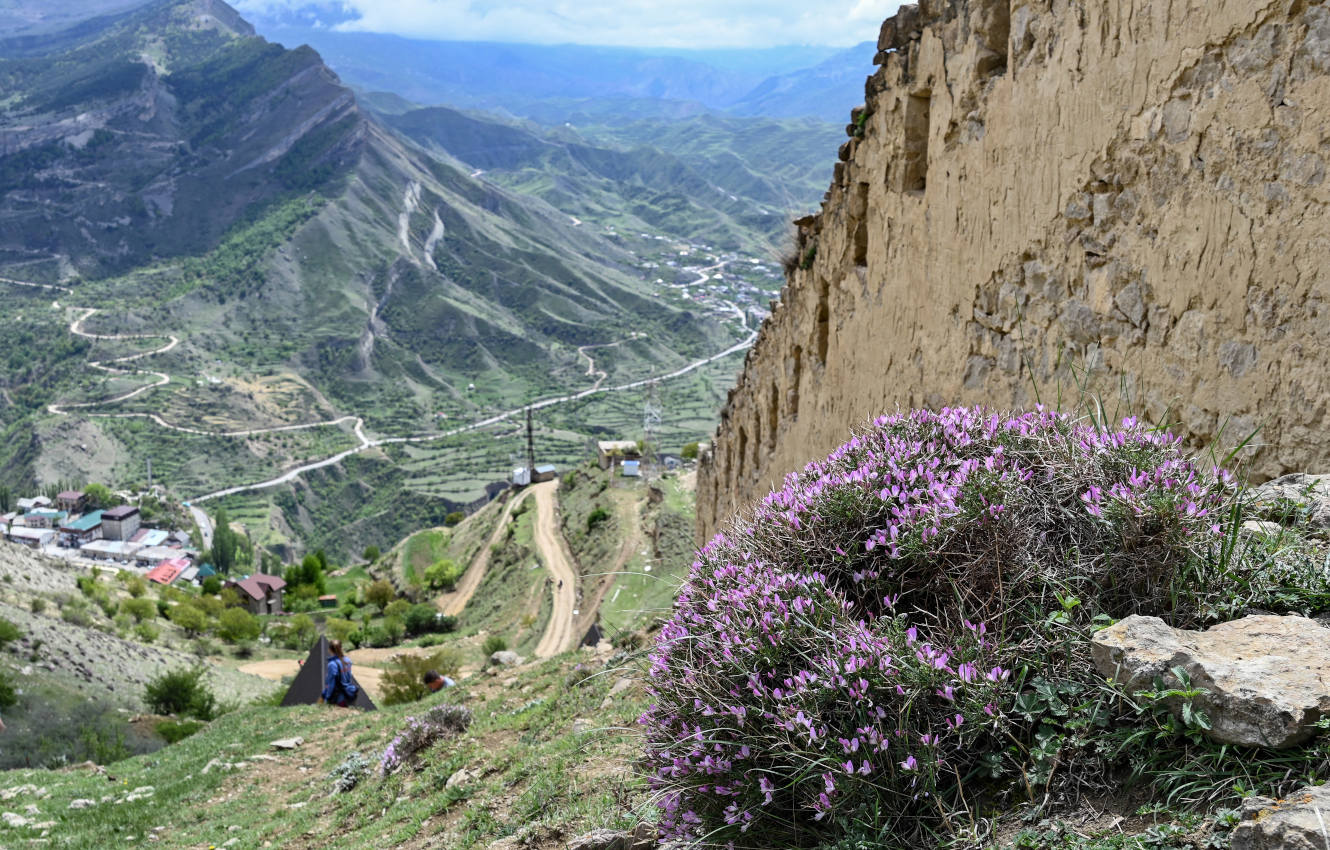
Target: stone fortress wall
1134,186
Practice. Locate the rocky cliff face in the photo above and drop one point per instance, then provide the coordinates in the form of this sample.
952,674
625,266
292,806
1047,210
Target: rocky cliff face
1133,187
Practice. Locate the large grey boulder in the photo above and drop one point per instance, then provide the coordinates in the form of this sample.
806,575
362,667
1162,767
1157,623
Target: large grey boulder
1300,488
506,658
1300,821
1267,678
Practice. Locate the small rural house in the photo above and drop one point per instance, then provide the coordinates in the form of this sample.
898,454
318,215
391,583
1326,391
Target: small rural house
544,472
611,452
34,538
262,594
71,501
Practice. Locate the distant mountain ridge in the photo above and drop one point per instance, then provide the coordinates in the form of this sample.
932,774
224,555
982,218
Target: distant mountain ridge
526,80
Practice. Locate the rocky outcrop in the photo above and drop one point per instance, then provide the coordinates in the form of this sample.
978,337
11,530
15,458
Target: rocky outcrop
1039,186
1298,497
1301,821
1265,680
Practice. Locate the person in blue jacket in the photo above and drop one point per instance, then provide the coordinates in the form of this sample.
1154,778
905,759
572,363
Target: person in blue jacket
339,687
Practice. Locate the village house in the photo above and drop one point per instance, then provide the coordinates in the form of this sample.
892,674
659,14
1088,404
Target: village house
544,472
167,571
262,594
611,452
34,538
85,529
44,518
120,523
34,503
71,501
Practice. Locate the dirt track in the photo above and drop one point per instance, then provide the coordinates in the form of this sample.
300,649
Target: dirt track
454,602
559,633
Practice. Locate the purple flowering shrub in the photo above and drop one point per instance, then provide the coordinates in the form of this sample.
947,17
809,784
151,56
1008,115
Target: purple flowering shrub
845,654
441,721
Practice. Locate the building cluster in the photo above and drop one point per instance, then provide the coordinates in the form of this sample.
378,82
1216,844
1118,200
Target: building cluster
112,534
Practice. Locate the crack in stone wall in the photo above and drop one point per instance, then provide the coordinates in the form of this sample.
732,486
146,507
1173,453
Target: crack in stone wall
1043,187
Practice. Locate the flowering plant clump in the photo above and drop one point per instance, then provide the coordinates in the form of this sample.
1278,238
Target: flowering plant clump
442,721
846,655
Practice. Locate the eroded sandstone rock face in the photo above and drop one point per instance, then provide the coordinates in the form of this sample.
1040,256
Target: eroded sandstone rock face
1134,187
1267,678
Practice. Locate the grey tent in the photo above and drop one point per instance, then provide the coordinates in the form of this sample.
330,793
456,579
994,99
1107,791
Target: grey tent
308,685
593,636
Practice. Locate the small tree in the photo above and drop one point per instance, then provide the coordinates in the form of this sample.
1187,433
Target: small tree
443,574
190,618
181,692
212,585
453,518
690,451
139,608
339,629
8,633
236,625
224,543
371,553
99,496
380,593
301,631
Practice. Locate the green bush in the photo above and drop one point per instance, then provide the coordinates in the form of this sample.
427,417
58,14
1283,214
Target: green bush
147,632
371,553
339,629
190,618
425,619
493,644
236,625
212,585
443,574
38,605
397,608
181,692
8,633
405,681
8,696
174,731
598,516
140,609
690,451
453,518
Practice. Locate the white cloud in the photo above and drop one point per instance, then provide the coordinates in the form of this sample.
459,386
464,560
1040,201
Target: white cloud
643,23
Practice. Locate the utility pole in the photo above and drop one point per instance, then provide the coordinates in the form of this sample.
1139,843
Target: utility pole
530,445
651,412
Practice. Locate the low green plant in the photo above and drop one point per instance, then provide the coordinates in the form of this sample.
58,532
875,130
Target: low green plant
174,731
493,644
181,692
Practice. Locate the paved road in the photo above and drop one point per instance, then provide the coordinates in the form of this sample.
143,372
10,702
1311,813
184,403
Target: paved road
204,523
558,635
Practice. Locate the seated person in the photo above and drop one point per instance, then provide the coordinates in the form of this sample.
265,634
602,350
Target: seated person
436,682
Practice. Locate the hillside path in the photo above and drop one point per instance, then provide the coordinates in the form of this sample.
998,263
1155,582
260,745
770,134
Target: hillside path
454,602
559,633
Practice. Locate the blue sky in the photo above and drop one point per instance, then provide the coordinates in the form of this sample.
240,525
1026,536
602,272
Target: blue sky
637,23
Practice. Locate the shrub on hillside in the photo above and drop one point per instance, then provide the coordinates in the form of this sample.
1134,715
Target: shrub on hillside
425,619
380,592
828,663
443,574
493,644
443,721
181,692
8,633
405,682
236,625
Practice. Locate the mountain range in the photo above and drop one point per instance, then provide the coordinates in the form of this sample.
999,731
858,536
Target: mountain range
249,268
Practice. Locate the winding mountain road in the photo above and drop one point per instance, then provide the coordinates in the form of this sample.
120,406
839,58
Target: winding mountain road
453,603
559,632
76,327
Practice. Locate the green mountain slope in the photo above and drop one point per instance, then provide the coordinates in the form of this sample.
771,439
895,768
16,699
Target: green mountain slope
279,266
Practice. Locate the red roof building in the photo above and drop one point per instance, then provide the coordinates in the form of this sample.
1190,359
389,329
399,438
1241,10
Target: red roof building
167,571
